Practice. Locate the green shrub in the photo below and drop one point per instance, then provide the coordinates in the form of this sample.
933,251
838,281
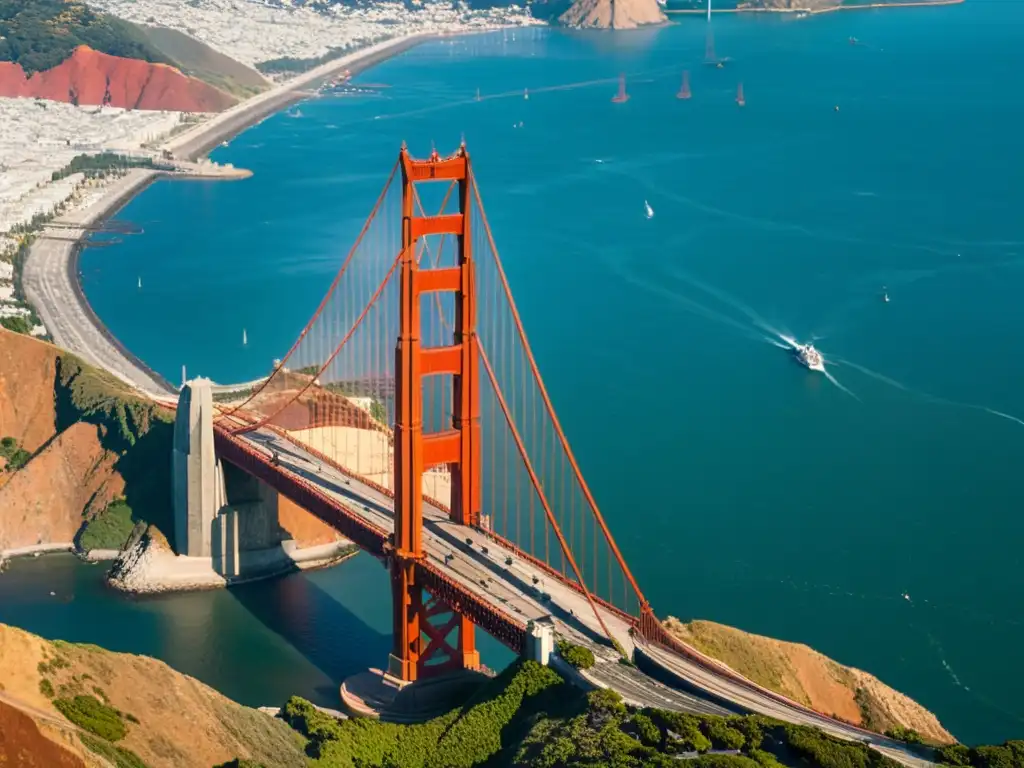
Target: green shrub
240,762
721,734
764,759
46,688
110,529
909,735
90,713
16,456
16,323
119,757
577,655
645,728
954,754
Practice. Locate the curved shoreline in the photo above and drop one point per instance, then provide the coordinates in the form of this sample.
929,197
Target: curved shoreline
50,273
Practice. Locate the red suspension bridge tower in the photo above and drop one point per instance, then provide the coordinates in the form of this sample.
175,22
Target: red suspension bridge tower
458,448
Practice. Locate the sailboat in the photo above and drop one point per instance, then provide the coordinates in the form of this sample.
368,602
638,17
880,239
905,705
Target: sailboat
648,211
526,93
478,94
739,96
245,338
709,11
140,283
684,90
621,97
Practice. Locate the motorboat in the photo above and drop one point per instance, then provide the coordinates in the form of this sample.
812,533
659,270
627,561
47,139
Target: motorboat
649,212
810,357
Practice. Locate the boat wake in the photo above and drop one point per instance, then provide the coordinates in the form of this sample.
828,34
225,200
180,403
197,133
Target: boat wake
770,333
926,396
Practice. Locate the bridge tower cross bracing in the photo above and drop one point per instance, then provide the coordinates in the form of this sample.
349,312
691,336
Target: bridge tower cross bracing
415,452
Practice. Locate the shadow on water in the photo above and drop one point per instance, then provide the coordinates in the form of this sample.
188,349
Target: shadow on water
318,626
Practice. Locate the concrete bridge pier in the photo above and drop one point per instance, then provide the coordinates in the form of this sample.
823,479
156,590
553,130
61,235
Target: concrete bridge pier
196,476
228,525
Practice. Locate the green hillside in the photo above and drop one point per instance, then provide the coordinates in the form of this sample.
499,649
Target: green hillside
40,34
200,60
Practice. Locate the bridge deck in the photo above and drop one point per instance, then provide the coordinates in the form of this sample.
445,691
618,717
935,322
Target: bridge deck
522,591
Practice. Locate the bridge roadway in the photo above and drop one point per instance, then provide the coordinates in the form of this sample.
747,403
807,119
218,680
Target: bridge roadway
525,592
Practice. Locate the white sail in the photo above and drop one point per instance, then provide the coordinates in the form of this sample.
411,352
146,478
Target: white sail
245,339
140,283
649,211
709,10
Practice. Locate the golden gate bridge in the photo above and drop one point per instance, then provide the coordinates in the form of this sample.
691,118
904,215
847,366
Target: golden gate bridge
411,415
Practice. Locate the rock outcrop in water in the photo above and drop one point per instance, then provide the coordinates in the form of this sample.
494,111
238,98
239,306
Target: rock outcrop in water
613,14
92,78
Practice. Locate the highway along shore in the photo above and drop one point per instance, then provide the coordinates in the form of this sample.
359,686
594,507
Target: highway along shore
49,273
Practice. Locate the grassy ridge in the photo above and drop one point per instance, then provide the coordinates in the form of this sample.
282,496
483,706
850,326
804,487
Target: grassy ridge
40,34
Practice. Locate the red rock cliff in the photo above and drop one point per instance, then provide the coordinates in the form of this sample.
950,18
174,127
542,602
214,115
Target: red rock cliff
90,77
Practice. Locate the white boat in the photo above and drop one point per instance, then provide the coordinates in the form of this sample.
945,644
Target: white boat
245,339
140,283
648,210
810,357
526,93
885,297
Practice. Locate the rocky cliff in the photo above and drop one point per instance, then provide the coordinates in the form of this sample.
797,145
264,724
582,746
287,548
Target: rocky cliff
88,77
810,678
613,14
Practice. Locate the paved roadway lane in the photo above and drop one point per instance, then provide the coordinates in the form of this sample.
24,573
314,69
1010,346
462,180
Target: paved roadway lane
49,287
511,589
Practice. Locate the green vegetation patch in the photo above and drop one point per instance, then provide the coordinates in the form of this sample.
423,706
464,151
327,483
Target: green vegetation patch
119,757
98,165
466,736
93,715
16,323
110,529
294,66
40,34
577,655
1009,754
16,456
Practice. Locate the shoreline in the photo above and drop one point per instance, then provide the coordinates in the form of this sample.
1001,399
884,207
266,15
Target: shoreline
818,11
50,274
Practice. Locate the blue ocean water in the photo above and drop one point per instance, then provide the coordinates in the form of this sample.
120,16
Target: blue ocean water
878,522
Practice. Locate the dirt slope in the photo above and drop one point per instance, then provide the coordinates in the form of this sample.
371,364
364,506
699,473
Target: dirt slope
27,372
45,501
613,14
90,77
810,678
23,743
181,722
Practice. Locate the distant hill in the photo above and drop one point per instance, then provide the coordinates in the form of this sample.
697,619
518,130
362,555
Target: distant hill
40,34
613,14
200,60
66,51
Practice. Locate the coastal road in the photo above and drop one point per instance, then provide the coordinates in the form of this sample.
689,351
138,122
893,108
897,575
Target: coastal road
526,593
51,286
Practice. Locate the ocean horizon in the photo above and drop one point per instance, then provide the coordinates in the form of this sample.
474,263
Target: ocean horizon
871,515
